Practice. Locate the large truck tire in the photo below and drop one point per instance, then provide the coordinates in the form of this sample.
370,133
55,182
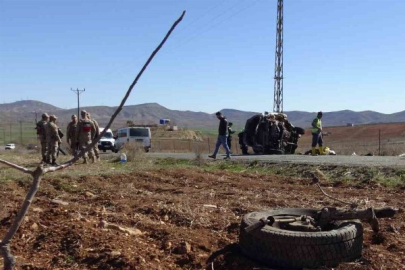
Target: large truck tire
295,249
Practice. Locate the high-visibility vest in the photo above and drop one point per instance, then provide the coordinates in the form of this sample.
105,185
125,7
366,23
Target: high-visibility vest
318,125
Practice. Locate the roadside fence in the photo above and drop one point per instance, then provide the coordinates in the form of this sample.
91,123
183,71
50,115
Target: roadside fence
378,142
206,146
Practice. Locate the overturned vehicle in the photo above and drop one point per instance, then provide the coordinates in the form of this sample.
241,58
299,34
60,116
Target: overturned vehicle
270,134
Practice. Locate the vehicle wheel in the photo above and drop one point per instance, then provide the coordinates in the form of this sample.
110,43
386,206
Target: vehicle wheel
297,249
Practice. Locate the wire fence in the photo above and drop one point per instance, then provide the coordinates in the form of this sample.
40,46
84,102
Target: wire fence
205,146
344,141
21,133
362,140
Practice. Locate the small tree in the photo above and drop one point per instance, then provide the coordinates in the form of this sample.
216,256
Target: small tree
37,174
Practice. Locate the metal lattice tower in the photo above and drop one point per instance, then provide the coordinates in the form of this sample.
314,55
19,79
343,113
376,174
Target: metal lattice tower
278,69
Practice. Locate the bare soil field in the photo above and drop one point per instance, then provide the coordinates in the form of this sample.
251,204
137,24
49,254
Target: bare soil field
178,215
362,139
362,133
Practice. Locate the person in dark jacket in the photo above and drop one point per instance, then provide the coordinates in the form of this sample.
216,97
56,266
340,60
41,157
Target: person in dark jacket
230,132
222,136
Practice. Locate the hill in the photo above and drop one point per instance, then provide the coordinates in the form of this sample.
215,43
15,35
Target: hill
24,109
150,113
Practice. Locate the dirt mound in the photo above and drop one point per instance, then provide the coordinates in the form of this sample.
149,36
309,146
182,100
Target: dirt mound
181,134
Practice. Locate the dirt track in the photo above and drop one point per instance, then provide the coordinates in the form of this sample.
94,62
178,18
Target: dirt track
199,207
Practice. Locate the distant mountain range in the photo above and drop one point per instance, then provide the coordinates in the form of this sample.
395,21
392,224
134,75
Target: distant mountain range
150,113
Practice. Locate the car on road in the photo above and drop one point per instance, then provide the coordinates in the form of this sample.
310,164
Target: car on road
141,135
107,142
10,146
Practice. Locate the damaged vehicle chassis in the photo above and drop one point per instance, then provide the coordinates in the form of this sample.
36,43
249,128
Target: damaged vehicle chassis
270,134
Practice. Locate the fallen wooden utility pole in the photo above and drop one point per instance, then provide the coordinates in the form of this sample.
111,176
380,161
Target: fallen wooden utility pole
9,260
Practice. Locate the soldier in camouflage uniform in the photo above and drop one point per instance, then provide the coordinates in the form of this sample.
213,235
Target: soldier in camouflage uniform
84,135
71,135
52,139
41,132
94,136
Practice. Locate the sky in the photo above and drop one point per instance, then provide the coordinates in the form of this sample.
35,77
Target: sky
338,54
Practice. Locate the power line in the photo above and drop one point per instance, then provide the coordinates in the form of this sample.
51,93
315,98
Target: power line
201,16
187,36
195,33
216,25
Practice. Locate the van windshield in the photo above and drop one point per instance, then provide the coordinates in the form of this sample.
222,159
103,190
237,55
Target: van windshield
139,132
108,135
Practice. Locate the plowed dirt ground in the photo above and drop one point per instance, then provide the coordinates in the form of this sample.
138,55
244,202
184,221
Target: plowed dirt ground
187,217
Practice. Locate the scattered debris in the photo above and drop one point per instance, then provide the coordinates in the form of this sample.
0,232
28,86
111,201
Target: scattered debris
34,226
210,206
131,231
59,202
183,248
89,194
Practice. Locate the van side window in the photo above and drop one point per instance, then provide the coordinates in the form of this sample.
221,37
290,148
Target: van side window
139,132
122,133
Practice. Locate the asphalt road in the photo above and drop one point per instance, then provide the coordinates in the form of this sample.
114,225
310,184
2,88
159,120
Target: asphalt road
390,161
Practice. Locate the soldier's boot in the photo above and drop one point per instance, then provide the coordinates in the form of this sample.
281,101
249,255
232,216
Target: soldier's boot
54,162
84,160
94,159
321,152
313,151
43,159
48,160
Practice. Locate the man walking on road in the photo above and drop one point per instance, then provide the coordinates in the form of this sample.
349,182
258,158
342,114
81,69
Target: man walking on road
222,136
317,134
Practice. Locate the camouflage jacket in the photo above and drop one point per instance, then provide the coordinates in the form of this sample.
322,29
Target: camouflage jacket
85,131
96,127
52,134
41,130
71,132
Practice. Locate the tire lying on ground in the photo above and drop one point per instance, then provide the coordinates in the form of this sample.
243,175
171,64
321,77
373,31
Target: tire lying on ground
295,249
